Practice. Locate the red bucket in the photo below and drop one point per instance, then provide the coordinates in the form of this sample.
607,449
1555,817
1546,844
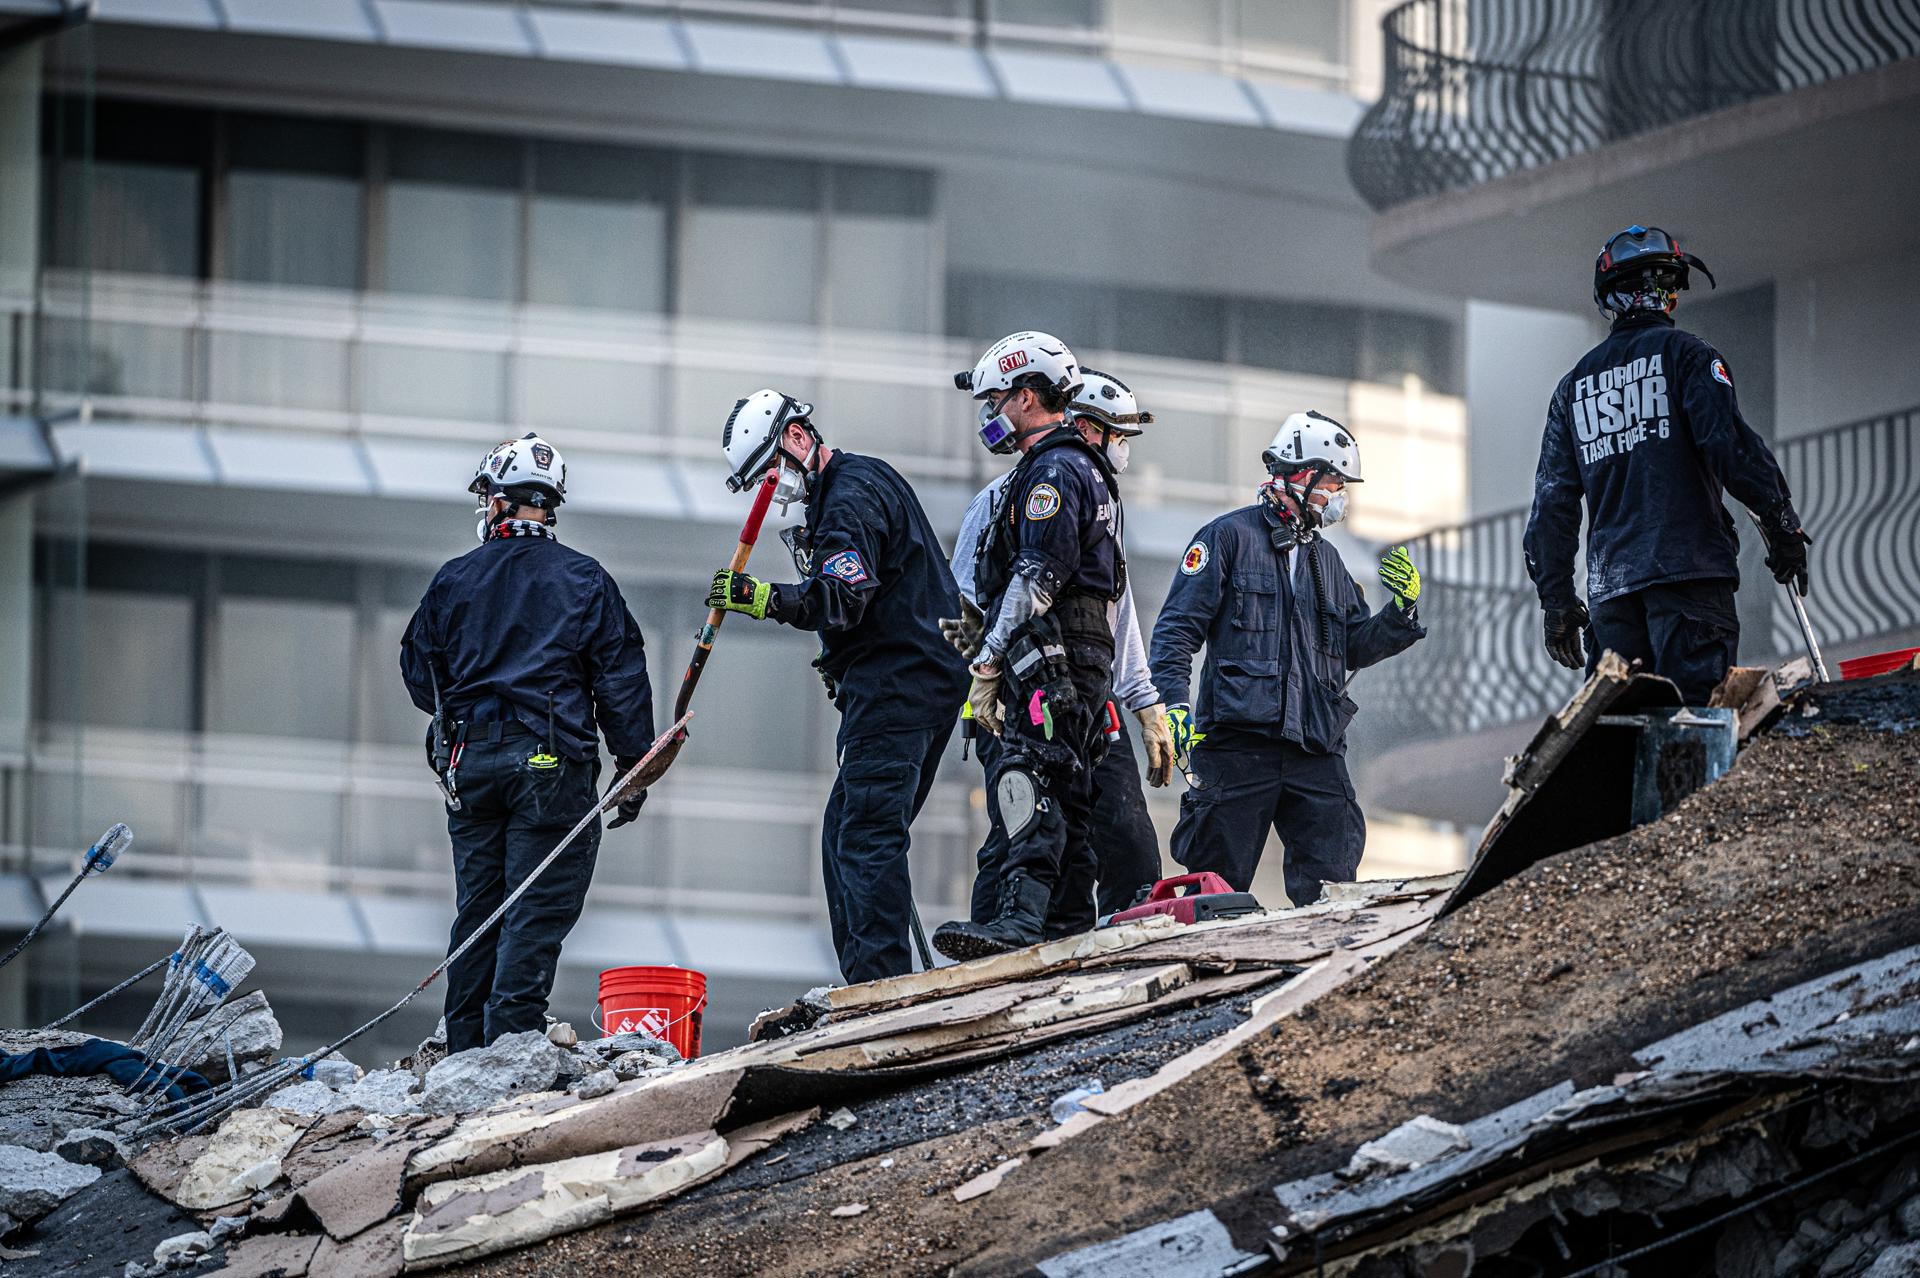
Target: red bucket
1879,663
666,1002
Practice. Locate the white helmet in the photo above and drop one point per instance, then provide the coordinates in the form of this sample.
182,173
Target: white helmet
1108,400
527,469
1017,361
1023,359
752,444
1308,439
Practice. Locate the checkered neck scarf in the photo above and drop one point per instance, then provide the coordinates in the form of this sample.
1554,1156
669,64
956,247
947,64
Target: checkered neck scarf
521,528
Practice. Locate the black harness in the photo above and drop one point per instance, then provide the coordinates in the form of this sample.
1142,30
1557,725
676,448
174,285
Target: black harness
995,552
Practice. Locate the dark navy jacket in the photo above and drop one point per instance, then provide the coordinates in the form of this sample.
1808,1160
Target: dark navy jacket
877,585
1279,646
517,618
1647,428
1058,523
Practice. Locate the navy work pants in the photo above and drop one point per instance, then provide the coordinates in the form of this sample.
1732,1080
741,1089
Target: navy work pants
511,815
1054,847
1243,787
1686,631
884,780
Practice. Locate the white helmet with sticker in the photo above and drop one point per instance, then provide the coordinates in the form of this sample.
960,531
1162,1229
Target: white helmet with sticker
1109,401
1023,359
528,469
1308,439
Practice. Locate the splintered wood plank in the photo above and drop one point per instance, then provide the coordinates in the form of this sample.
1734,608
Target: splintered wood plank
1279,940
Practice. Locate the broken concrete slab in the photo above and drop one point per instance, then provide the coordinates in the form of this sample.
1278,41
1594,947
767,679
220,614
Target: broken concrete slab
33,1184
480,1215
382,1091
185,1246
375,1253
272,1256
247,1023
1197,1243
1420,1140
550,1128
1572,784
238,1152
631,1041
307,1096
94,1148
361,1192
511,1065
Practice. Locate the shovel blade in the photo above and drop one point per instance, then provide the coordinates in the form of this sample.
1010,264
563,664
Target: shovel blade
666,748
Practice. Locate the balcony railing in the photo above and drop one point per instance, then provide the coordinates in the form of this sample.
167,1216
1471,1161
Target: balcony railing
1482,665
1476,89
155,349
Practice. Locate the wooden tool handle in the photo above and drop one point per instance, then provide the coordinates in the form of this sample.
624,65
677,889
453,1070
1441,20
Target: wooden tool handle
703,644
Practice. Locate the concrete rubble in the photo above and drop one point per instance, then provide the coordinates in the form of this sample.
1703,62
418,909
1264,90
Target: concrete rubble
883,1099
33,1184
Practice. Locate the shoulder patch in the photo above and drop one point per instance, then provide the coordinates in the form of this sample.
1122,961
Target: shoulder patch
846,566
1196,558
1043,501
1720,373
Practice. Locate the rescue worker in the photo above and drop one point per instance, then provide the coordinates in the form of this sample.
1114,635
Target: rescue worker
1126,849
526,654
1285,626
1048,565
875,586
1647,428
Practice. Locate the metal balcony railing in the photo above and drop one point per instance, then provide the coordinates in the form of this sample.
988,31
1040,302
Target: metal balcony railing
1482,665
1476,89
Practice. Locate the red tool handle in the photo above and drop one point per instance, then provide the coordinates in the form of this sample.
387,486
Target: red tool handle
703,644
1205,883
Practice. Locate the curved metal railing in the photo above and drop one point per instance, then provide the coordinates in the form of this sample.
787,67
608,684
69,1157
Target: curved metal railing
1475,89
1482,665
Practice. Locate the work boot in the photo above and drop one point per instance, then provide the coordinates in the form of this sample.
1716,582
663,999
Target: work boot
1023,909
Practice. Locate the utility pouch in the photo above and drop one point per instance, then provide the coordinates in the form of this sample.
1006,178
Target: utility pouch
1037,668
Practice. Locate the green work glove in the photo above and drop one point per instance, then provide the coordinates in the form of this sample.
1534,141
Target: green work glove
1399,575
737,592
1180,728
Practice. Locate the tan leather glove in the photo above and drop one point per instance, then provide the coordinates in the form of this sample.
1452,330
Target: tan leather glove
1159,743
965,631
984,697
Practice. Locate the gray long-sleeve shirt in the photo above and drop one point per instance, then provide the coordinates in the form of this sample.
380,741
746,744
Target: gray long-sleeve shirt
1132,684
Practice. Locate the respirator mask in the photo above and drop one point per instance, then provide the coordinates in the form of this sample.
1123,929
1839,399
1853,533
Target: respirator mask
1335,510
996,428
796,478
1118,450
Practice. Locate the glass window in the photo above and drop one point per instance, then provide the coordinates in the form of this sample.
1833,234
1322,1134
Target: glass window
453,215
1298,337
277,371
558,392
119,659
431,381
294,202
395,719
881,249
751,248
1169,21
598,230
282,668
1296,29
149,361
145,218
1398,343
1162,322
988,307
1080,15
137,207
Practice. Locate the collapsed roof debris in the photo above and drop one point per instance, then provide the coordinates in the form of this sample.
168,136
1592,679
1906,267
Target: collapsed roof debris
1704,1013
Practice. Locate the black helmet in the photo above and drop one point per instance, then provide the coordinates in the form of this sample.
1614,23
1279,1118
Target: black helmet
1640,248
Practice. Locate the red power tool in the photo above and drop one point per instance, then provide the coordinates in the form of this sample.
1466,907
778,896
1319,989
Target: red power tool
1207,896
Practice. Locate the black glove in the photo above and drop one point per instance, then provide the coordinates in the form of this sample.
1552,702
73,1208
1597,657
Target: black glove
1787,544
630,806
1563,626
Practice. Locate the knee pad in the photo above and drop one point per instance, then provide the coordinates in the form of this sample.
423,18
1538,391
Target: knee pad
1021,801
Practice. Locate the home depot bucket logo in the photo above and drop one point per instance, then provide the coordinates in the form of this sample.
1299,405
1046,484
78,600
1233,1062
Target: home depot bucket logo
652,1021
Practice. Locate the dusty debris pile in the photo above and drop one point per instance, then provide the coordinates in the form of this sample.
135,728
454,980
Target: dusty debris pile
1701,1034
